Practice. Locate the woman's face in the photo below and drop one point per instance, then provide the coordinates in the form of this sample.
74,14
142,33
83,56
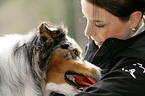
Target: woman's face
102,25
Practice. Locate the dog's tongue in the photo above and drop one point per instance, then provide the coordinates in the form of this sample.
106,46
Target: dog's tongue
84,80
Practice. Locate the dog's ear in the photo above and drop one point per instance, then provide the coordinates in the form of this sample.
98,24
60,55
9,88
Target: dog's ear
45,29
50,32
49,37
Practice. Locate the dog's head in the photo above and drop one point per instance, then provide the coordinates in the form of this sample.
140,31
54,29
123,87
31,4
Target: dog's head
65,66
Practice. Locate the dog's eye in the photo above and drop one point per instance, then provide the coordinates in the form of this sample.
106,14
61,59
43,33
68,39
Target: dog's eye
76,52
65,46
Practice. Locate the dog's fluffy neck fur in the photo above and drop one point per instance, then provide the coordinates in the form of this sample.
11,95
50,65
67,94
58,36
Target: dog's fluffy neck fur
14,59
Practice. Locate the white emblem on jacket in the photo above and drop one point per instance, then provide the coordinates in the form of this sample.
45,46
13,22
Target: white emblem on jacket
140,66
131,71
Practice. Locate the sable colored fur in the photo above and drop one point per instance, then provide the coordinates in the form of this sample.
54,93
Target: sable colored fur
24,61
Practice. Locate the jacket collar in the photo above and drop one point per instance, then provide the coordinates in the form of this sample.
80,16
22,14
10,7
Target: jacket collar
113,46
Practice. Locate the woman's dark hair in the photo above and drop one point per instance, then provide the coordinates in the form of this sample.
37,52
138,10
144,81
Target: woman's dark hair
120,8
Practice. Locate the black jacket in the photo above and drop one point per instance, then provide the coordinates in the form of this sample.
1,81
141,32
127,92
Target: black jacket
123,65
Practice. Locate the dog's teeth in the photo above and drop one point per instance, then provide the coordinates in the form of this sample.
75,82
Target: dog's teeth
74,76
71,77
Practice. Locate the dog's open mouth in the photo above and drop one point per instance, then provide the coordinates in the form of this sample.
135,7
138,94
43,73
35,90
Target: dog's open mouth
78,80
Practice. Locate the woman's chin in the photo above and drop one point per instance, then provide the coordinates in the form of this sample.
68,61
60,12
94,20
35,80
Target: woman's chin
98,43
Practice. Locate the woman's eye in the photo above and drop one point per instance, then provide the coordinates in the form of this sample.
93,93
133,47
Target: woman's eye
100,25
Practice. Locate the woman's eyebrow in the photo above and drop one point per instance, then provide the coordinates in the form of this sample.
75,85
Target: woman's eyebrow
98,20
93,20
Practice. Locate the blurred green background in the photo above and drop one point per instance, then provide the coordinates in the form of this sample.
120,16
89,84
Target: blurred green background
22,16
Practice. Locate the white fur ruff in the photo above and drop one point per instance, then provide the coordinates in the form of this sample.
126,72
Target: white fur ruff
66,89
15,74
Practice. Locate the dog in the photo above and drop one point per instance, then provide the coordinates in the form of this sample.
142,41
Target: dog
42,63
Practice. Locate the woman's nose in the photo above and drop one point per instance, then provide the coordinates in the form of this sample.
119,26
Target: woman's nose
88,30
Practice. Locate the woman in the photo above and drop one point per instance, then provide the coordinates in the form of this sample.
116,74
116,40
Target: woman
116,32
